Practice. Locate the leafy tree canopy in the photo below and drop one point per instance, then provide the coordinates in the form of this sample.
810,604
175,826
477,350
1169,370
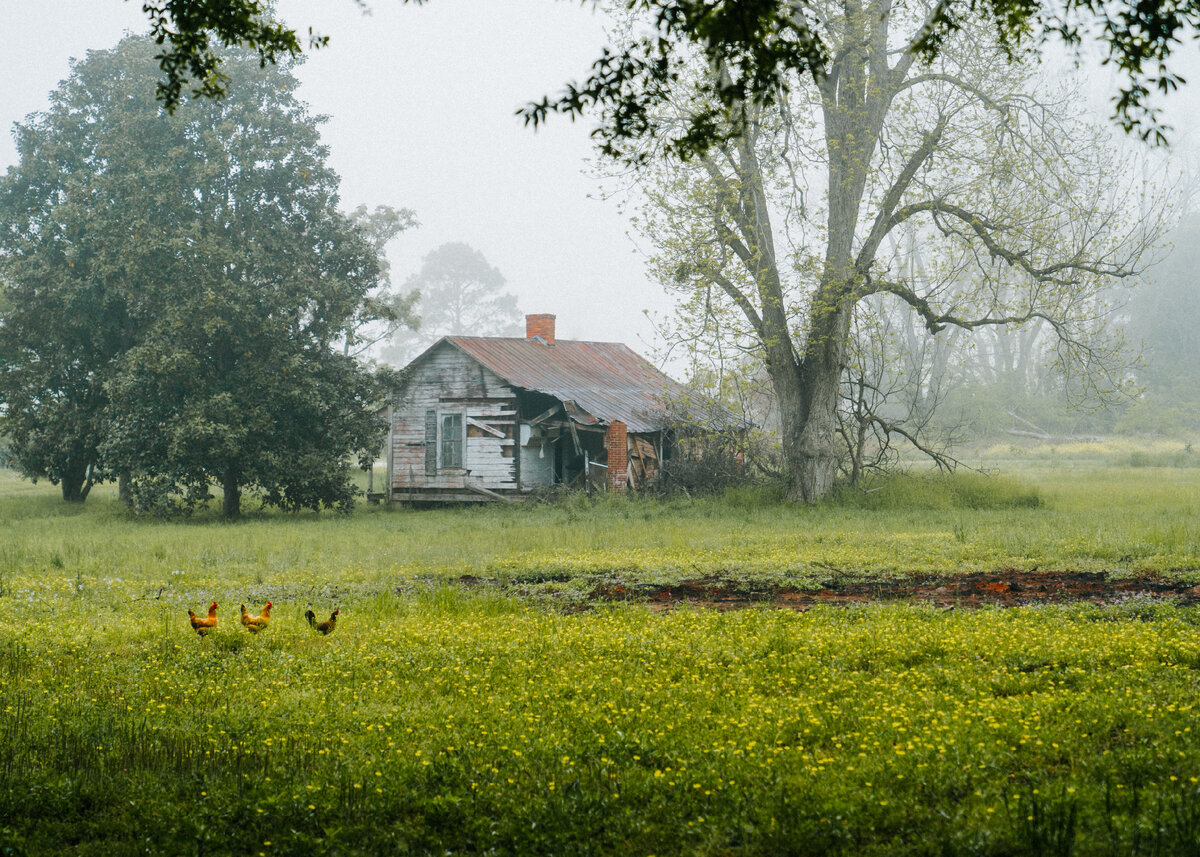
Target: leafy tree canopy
759,49
461,294
179,291
387,313
190,34
757,45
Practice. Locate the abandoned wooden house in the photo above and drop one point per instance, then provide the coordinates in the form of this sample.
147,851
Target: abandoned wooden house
480,418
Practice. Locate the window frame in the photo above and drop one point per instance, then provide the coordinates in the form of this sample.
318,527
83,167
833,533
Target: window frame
459,443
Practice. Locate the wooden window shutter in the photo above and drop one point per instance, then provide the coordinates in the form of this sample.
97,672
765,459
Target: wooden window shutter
431,426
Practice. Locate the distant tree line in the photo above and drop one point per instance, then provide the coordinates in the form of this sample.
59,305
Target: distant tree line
456,293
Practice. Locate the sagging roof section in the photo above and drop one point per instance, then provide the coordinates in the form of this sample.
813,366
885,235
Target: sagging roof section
597,382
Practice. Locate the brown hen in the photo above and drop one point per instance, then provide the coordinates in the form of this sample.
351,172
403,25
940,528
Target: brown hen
203,626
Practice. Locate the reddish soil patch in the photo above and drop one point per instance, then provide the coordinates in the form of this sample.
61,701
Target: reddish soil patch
1007,588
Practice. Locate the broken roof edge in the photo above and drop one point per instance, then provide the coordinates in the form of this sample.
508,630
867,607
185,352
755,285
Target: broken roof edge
659,406
570,407
597,383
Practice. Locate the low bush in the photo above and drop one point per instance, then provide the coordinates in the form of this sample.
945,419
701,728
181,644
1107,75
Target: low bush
1182,457
960,490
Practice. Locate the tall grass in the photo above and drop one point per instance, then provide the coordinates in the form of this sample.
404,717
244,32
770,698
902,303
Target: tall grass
1123,521
462,723
929,491
446,715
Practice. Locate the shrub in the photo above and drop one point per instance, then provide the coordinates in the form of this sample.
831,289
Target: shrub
969,490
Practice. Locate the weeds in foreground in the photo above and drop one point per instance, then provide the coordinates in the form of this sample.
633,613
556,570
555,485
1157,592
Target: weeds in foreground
440,719
484,725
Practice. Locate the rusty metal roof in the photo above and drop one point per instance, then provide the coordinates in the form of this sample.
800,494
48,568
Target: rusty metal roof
597,382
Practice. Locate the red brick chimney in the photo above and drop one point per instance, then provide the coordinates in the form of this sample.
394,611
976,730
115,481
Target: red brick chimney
542,325
616,441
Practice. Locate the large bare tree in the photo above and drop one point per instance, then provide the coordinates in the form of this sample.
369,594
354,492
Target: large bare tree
796,219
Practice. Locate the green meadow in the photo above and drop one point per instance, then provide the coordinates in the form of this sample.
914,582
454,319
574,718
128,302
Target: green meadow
475,700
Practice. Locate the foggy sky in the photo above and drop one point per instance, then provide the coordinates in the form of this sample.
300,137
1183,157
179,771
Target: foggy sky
420,103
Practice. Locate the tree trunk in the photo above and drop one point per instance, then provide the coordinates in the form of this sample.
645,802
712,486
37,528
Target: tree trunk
815,464
812,462
125,488
231,505
76,482
808,401
790,398
72,486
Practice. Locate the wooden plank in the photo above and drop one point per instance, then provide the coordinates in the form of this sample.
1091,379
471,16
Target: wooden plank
431,443
390,464
487,428
437,497
516,444
477,400
495,464
479,489
545,416
634,476
574,426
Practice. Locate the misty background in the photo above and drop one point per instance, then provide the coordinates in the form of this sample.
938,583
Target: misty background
420,103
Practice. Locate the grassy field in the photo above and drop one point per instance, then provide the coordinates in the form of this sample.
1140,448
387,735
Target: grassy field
517,718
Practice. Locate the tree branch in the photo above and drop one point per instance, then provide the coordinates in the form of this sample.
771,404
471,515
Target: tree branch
738,297
936,322
883,220
986,231
943,460
957,83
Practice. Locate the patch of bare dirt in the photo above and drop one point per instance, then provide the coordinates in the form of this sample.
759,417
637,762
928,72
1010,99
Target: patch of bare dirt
1007,588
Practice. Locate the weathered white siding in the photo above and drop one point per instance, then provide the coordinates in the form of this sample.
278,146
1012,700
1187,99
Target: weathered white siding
447,381
537,459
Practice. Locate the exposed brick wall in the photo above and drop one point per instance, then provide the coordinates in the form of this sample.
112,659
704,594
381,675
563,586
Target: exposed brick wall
542,325
616,443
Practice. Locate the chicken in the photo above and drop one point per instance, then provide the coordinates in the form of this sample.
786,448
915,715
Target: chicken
254,624
203,626
323,627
